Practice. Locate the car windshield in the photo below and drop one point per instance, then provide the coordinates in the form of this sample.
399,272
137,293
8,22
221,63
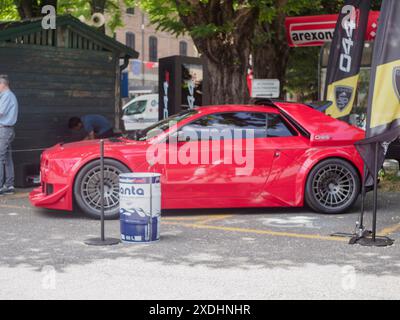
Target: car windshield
135,107
157,128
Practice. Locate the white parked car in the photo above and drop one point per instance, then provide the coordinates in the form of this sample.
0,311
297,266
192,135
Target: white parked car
140,112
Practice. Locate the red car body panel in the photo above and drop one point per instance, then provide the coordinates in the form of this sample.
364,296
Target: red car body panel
281,165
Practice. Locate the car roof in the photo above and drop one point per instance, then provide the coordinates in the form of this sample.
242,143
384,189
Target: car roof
305,116
237,108
147,96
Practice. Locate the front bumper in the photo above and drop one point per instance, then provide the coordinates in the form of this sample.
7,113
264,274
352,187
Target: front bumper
59,200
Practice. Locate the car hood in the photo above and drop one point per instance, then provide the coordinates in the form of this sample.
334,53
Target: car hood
82,148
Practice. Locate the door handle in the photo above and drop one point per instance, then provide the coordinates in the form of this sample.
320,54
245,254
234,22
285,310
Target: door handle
277,154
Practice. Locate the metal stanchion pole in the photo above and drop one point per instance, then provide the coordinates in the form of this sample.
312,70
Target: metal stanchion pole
102,241
376,164
102,189
375,241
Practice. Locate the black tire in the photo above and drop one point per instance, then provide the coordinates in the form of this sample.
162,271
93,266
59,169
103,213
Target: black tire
333,186
87,188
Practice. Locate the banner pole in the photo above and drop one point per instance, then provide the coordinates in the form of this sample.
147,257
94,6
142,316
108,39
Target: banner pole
102,189
376,164
363,194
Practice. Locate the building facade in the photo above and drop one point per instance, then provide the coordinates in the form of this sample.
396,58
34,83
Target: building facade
138,34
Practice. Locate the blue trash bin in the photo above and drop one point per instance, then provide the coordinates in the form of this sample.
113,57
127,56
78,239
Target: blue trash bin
140,207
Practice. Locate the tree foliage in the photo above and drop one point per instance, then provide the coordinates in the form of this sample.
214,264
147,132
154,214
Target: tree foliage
22,9
225,32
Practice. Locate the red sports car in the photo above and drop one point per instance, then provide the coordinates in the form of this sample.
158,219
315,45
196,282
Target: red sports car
230,156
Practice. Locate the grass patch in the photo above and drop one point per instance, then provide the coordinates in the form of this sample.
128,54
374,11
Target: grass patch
389,183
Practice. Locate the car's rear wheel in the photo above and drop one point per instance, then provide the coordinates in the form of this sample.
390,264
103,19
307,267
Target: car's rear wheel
87,188
333,186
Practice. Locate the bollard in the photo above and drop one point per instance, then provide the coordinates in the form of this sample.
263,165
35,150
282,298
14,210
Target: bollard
140,207
102,241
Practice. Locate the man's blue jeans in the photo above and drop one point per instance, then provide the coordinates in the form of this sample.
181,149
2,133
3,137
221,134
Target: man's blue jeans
7,135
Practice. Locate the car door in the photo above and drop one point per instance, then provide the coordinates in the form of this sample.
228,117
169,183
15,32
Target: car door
220,156
282,187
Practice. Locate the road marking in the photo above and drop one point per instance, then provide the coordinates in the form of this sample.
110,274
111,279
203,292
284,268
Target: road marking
17,196
199,219
389,230
213,218
196,218
10,206
258,231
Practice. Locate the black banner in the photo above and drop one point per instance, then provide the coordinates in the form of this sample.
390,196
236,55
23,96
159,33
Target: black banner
383,115
345,57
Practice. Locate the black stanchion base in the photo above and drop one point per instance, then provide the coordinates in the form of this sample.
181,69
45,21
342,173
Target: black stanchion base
99,242
354,237
365,239
378,242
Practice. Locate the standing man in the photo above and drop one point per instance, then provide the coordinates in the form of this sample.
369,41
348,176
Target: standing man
95,125
8,118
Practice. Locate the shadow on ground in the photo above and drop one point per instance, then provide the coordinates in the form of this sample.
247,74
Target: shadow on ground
38,238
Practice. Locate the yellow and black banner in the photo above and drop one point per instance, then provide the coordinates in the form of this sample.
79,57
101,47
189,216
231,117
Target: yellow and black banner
383,115
345,57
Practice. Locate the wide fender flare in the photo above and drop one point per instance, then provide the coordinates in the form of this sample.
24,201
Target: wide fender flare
117,156
312,158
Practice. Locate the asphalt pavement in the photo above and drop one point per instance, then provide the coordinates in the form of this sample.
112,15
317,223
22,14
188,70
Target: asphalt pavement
202,254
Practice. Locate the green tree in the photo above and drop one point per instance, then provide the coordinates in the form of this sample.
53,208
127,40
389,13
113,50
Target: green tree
227,32
302,72
26,9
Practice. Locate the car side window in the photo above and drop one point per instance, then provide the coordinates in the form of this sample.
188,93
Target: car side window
277,127
228,125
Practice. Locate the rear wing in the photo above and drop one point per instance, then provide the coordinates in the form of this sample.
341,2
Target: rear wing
320,106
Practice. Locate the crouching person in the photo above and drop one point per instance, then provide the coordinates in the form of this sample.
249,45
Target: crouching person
96,126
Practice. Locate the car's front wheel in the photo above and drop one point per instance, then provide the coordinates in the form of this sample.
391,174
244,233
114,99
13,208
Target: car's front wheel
87,188
333,186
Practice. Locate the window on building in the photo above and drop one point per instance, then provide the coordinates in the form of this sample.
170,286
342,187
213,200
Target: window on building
130,40
183,48
130,10
153,50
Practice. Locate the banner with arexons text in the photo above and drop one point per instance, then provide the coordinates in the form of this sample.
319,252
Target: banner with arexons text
345,57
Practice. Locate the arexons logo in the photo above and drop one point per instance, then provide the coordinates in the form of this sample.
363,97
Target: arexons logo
299,37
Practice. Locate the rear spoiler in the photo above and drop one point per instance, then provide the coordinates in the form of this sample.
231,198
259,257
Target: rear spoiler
320,106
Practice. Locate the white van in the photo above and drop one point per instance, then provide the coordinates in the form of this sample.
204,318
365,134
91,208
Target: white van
141,112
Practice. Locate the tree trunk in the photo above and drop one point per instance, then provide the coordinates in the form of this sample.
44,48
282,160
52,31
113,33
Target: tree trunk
271,50
270,62
53,3
226,51
99,6
28,9
227,83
